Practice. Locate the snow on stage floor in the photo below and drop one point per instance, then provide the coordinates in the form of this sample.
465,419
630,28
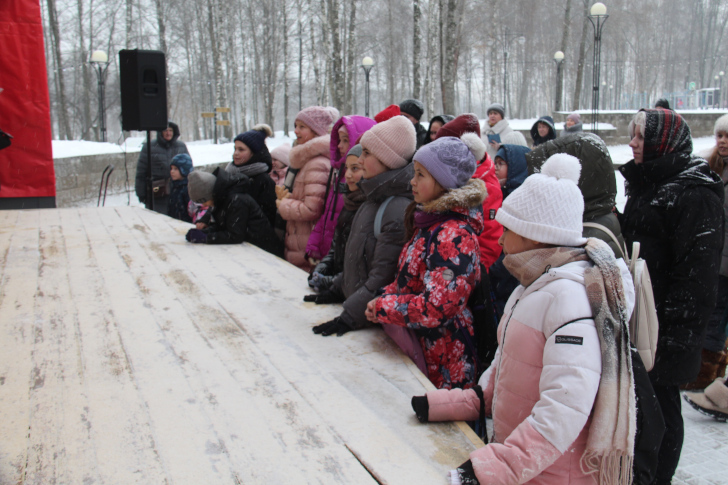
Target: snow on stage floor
128,355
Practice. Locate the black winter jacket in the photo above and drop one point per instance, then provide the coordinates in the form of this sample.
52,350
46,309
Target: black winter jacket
237,217
179,198
163,152
371,262
260,187
675,211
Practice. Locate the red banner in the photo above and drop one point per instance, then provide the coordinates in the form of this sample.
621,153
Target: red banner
26,167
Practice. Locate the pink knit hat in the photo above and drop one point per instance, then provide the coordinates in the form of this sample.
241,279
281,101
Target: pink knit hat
393,142
280,153
319,118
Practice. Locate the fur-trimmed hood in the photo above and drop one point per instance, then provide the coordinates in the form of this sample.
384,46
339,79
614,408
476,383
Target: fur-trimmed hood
301,154
469,195
466,201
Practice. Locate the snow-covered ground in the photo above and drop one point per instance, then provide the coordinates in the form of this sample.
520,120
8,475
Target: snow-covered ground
205,153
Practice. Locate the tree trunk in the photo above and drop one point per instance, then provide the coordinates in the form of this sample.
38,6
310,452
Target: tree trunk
163,44
352,69
285,68
213,9
582,54
86,77
450,61
129,23
63,125
416,50
337,85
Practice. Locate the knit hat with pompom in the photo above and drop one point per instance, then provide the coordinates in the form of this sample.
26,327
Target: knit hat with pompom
319,118
451,161
255,138
549,206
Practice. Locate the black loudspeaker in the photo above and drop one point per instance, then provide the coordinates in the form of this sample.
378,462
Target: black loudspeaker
143,77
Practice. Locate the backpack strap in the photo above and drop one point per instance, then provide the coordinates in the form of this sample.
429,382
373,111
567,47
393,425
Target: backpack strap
481,416
380,215
609,233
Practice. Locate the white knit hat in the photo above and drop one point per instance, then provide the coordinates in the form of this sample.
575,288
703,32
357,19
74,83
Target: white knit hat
721,124
548,207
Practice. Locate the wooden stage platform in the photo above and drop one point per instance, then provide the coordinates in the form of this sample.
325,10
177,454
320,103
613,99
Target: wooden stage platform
128,355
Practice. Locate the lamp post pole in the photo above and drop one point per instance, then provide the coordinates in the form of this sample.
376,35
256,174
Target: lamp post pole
720,94
597,17
559,60
367,64
100,61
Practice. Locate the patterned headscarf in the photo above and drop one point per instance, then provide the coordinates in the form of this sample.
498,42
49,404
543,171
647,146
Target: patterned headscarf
665,132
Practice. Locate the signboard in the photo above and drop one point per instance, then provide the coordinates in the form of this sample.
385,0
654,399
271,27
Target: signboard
208,115
223,122
222,110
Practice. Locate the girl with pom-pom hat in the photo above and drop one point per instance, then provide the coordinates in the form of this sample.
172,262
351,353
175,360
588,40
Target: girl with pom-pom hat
440,265
560,389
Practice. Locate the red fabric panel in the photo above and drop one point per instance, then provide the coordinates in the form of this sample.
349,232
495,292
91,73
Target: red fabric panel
26,167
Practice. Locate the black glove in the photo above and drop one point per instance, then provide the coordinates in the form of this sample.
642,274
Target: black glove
323,298
334,326
421,407
467,474
196,236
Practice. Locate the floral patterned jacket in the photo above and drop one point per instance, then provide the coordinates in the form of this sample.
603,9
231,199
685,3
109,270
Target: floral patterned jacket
432,287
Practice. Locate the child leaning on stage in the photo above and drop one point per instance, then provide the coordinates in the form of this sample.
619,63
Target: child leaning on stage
440,266
560,389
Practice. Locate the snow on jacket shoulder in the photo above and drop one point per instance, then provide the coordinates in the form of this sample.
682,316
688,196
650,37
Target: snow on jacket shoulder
437,271
304,206
540,387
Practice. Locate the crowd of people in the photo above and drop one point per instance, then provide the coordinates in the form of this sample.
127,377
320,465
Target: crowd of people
405,225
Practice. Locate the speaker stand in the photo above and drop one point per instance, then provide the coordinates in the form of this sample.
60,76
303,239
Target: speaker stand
149,199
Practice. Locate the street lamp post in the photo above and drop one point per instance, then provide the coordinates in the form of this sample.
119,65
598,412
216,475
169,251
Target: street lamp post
367,63
559,60
720,95
100,62
508,36
597,17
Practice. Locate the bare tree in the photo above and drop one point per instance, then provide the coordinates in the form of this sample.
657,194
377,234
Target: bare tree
64,126
416,49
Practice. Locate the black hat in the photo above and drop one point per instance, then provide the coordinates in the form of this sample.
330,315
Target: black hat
412,107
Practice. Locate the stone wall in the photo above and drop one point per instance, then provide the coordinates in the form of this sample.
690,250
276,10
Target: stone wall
701,124
78,178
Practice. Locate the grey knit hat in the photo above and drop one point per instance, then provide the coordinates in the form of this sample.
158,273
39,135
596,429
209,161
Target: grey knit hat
200,185
498,108
356,151
449,161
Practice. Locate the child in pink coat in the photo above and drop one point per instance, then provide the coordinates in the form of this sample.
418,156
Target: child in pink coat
560,389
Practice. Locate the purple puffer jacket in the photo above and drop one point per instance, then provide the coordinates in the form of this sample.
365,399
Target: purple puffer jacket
323,233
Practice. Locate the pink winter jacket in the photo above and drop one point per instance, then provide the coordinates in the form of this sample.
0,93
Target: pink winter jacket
540,388
304,206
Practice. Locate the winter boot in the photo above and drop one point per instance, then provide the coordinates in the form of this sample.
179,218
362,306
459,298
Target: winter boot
713,402
708,370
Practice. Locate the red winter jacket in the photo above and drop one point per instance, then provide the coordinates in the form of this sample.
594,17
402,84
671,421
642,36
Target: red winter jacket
490,250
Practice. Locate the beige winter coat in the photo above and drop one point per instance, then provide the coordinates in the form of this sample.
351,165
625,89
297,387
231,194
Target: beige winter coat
305,205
